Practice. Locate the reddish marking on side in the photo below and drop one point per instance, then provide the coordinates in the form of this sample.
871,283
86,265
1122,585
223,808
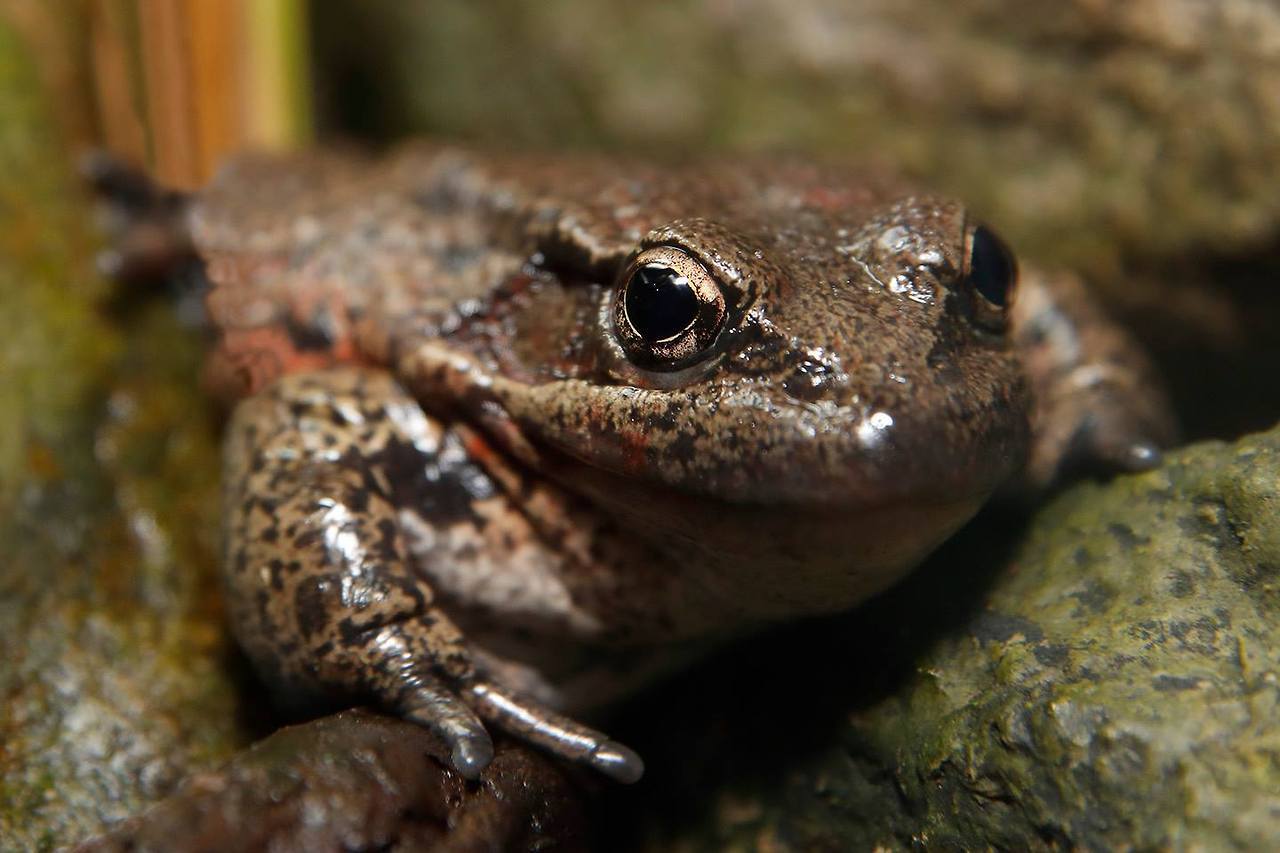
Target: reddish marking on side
478,449
247,360
633,450
517,283
242,286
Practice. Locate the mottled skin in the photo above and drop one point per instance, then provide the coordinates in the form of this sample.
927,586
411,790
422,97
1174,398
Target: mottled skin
454,485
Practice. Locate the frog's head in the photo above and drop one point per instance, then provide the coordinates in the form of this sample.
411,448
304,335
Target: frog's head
793,391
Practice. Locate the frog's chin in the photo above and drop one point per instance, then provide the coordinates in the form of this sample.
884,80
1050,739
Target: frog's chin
778,560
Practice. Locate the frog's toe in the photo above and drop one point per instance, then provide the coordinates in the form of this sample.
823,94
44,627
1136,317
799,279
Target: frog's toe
1139,456
1109,446
1101,442
618,762
470,747
470,753
555,733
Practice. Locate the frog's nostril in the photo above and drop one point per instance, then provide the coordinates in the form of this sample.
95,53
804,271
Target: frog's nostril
808,381
818,374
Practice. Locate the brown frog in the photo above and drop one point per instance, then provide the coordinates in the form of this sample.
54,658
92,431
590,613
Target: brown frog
515,432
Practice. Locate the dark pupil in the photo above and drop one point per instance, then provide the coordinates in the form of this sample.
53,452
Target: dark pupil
660,303
990,267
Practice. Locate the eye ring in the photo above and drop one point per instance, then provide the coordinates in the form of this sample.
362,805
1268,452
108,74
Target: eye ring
667,310
991,275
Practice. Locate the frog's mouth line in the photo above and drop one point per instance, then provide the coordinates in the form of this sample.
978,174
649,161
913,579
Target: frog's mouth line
613,431
612,478
748,453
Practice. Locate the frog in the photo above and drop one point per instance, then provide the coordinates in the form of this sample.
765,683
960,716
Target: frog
515,433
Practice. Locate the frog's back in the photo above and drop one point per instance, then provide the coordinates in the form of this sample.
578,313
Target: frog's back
300,250
311,256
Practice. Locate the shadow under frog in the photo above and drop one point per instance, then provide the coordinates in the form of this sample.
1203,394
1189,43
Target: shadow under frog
513,434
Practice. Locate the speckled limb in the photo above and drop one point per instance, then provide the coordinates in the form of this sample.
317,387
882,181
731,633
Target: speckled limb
1098,403
322,595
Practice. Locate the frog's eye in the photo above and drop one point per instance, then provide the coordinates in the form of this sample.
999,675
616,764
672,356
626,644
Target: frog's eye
992,274
667,310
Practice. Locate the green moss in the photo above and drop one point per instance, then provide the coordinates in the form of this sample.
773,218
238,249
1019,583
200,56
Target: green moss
1111,684
113,681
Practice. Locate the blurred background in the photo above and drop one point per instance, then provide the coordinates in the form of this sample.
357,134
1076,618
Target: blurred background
1135,141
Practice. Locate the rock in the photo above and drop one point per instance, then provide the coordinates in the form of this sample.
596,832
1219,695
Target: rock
1082,127
360,781
116,676
1113,683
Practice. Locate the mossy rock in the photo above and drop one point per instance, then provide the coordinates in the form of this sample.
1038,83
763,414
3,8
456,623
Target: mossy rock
1113,682
114,680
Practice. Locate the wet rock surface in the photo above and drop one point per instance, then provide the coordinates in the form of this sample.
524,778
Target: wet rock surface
1111,681
360,781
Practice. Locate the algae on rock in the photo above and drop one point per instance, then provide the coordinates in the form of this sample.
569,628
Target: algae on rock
1114,682
113,680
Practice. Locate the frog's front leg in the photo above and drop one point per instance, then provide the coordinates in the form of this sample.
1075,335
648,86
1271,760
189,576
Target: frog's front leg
1098,403
323,595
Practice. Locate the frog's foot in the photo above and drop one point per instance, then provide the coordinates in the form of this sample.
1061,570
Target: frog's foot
456,717
145,224
430,704
555,733
1099,407
321,590
1097,423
